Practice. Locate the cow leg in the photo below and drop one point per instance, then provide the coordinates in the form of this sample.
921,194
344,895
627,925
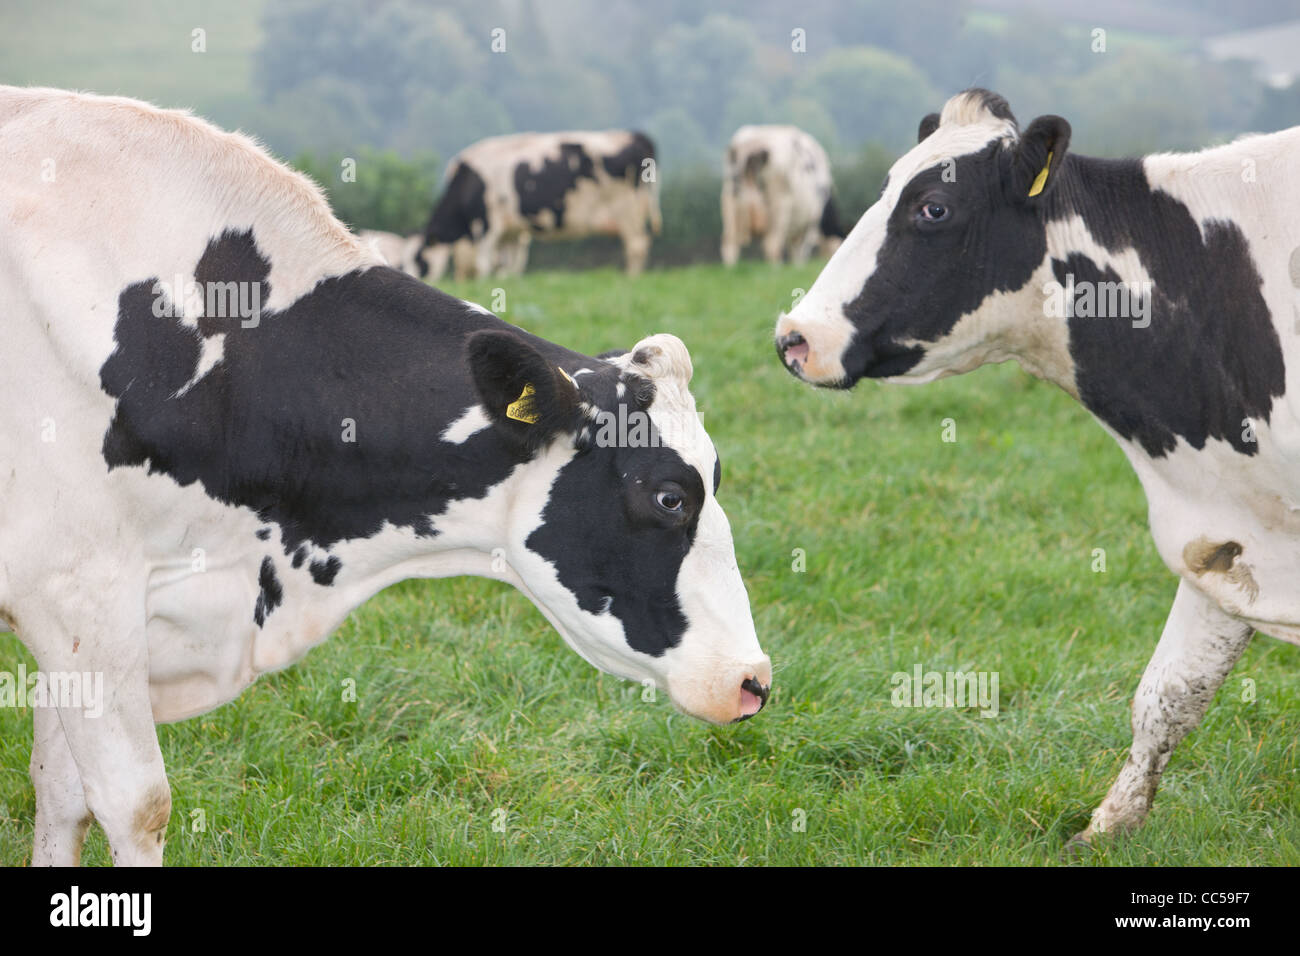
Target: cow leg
801,247
519,254
1198,648
485,256
730,232
62,817
636,249
112,738
774,241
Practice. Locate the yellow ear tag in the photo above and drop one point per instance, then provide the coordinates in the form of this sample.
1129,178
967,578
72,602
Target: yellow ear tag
522,408
1041,179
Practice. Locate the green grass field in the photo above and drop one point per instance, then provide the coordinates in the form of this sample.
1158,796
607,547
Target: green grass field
969,555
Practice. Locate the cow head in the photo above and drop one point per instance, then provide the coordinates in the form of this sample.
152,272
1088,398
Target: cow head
934,277
615,530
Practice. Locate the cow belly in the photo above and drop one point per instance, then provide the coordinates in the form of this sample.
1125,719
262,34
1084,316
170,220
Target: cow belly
1231,552
201,642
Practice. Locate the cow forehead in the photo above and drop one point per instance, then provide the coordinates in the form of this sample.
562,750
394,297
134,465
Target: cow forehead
680,428
948,143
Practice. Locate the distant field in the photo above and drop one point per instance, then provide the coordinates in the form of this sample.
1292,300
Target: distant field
971,555
137,48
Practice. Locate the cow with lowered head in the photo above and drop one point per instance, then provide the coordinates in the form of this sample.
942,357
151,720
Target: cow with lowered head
776,188
1162,294
255,425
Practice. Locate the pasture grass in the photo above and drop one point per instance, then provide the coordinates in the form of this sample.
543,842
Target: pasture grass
970,555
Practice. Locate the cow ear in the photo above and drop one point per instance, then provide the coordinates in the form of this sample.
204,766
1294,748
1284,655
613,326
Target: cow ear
1039,157
928,125
528,399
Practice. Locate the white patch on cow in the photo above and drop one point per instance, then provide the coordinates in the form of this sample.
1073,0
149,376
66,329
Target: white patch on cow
472,421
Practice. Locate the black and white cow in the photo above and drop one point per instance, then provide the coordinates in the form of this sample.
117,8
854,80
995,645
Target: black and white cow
227,424
502,191
1162,293
776,188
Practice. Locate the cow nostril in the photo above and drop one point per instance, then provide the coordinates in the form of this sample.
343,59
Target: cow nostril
757,692
755,688
793,350
786,341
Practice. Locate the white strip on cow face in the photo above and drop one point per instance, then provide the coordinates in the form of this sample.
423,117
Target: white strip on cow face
720,649
819,319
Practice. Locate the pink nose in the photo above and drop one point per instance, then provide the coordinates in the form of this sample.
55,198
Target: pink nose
793,350
753,696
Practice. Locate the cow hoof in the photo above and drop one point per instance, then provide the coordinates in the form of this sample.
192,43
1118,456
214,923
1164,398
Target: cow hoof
1078,847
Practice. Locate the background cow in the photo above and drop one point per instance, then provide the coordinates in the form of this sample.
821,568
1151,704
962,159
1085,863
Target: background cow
776,187
1160,293
502,191
400,252
228,424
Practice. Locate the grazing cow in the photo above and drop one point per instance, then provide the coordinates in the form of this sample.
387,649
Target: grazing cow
227,424
503,191
400,252
776,186
1159,292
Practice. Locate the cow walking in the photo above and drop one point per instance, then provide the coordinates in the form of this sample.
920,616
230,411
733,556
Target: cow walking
776,188
503,191
1159,292
227,424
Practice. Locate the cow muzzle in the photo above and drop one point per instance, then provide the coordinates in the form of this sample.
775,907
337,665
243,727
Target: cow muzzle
733,694
813,353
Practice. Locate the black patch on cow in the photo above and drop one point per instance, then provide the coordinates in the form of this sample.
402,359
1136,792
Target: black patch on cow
299,555
755,163
547,187
630,553
629,161
830,223
323,572
270,592
263,534
1210,357
717,472
461,212
994,103
263,428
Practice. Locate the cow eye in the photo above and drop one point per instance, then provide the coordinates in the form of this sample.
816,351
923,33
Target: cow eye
670,501
933,212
